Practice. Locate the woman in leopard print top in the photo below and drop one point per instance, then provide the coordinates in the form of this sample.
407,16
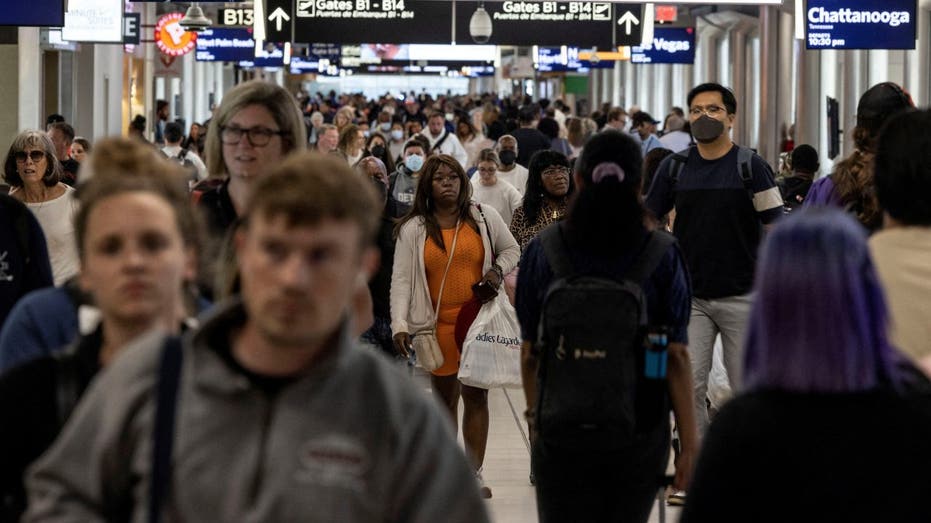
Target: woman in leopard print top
549,186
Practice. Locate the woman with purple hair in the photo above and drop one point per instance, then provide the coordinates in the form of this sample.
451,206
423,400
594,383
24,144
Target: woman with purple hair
825,430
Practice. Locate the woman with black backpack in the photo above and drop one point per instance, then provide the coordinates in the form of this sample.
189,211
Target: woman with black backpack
592,286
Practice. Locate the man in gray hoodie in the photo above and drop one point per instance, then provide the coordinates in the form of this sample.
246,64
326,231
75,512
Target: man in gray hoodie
279,415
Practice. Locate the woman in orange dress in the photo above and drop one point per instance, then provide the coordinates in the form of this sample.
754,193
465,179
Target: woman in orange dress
442,222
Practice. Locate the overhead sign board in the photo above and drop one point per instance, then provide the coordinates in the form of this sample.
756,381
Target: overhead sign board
565,59
99,21
265,58
35,13
171,39
860,24
235,16
630,23
131,25
224,45
385,21
670,45
278,20
547,23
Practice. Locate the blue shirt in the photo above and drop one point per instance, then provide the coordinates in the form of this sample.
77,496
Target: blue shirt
43,322
667,291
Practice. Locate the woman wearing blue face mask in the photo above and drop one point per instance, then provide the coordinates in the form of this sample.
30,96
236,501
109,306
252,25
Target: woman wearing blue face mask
403,182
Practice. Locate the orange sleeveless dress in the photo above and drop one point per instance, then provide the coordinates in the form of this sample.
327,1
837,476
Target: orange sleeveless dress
464,271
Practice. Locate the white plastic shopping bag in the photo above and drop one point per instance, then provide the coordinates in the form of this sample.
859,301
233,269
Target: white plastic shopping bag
491,350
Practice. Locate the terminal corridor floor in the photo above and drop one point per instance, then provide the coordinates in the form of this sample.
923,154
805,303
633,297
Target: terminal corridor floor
507,460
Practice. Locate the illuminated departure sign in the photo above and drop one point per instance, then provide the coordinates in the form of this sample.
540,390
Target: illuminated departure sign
385,21
565,58
224,45
670,45
860,24
35,13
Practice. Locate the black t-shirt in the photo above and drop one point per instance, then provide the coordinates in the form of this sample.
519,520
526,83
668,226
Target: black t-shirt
219,342
718,223
380,284
529,141
773,456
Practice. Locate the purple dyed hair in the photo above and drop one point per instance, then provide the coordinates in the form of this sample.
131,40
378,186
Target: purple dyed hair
819,320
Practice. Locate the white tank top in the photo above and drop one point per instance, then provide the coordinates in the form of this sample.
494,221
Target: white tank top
56,217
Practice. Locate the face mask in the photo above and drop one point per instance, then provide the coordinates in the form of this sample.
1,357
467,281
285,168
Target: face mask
397,134
450,117
366,133
508,157
414,162
706,129
378,151
385,127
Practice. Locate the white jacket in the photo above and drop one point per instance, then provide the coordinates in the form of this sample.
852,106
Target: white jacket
411,306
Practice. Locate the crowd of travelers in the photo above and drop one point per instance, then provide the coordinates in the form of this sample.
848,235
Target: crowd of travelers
219,325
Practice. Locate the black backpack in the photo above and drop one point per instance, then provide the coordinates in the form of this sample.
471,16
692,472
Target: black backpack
591,345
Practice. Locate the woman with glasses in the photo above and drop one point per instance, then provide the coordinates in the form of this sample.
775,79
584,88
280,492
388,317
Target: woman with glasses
444,256
253,128
33,172
549,186
487,189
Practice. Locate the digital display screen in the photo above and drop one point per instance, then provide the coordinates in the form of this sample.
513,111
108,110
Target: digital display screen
565,58
36,13
224,45
860,24
670,45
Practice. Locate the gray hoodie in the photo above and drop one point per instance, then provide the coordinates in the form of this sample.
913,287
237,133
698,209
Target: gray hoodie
350,440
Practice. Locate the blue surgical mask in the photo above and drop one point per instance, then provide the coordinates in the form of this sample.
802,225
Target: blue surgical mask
386,126
397,134
414,162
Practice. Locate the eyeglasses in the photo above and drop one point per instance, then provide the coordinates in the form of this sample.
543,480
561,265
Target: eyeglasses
258,136
553,172
35,156
444,179
710,110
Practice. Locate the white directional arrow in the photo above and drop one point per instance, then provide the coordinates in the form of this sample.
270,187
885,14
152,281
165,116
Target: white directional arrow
279,16
628,18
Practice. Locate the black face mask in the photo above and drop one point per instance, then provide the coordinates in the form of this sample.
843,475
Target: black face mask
508,157
378,151
706,129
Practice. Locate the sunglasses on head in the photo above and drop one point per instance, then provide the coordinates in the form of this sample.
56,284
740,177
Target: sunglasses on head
35,156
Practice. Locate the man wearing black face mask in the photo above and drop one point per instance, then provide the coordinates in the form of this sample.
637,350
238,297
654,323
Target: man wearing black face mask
724,196
509,171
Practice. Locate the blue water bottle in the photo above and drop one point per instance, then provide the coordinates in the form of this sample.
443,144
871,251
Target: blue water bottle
657,343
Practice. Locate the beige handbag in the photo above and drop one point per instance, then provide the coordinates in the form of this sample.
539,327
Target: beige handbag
426,346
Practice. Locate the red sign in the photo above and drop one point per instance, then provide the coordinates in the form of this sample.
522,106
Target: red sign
666,13
171,38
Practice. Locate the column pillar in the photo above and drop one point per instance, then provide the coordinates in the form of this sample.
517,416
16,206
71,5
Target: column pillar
768,146
30,78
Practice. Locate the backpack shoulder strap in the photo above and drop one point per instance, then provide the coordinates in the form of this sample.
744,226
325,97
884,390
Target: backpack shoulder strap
163,432
678,162
649,259
556,250
436,146
745,167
